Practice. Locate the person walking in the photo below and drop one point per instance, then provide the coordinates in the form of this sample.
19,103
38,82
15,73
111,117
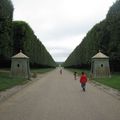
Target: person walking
83,80
75,75
61,71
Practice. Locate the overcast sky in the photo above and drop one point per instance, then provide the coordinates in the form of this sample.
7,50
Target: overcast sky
61,24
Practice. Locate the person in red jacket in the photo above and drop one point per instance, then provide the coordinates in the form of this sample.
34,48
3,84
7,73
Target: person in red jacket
83,80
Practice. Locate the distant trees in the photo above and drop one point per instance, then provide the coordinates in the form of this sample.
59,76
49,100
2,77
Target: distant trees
16,36
104,36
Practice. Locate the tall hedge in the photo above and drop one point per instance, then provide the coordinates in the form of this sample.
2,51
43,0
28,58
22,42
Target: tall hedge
6,15
104,36
16,36
25,39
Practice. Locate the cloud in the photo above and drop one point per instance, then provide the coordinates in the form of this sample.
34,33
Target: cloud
69,42
63,47
60,56
64,30
61,24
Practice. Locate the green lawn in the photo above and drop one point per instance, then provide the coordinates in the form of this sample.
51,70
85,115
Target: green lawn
8,82
79,71
41,70
113,82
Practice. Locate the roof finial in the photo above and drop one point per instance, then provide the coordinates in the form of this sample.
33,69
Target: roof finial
21,51
99,50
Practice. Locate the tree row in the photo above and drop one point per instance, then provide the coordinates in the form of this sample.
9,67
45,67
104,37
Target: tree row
104,36
18,35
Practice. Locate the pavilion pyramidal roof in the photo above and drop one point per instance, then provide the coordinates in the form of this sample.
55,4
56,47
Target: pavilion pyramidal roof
20,55
100,55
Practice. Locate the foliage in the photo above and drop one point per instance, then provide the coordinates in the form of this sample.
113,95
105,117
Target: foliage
104,36
25,39
16,36
6,15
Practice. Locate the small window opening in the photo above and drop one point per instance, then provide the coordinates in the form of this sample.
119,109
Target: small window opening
101,65
18,65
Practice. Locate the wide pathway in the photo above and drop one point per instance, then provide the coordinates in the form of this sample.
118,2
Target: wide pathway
59,97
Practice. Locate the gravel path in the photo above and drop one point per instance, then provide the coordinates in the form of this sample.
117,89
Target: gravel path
59,97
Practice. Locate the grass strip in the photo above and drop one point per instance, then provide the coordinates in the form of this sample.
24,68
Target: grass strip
79,71
41,70
113,82
7,82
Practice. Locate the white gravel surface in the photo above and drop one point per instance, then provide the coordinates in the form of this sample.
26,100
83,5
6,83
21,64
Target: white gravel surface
59,97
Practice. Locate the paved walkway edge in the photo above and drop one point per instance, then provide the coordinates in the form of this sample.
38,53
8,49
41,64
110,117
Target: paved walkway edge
4,95
9,92
111,91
